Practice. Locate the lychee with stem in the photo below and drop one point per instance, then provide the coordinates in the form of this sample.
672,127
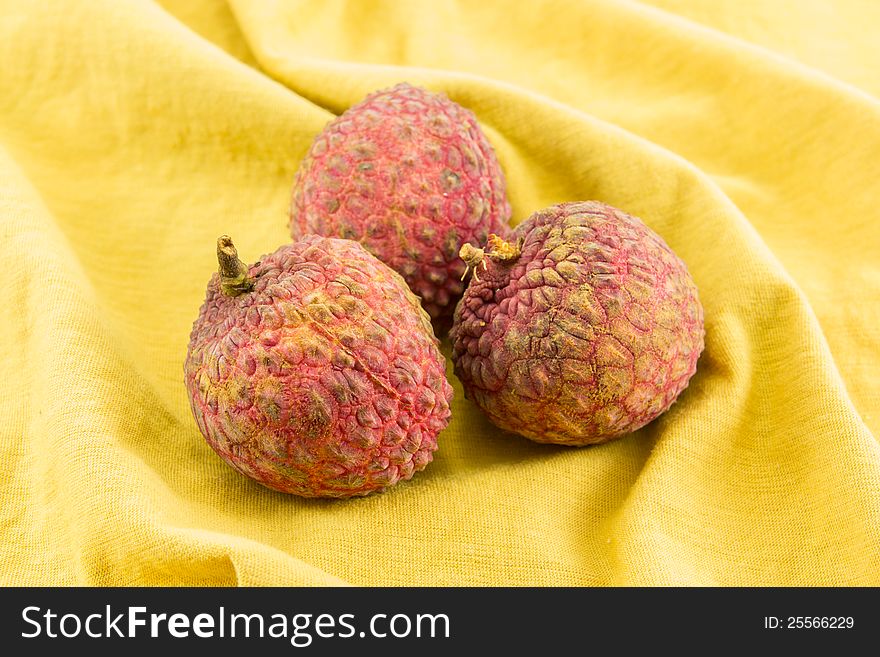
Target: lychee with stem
315,371
583,327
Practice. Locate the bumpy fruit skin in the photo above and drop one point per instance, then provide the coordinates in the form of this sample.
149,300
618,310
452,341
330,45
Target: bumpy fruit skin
590,333
410,175
325,380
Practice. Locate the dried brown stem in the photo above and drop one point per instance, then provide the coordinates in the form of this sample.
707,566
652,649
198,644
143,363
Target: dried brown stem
234,279
496,248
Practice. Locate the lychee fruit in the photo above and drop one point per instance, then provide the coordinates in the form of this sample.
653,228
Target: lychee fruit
315,371
410,175
583,327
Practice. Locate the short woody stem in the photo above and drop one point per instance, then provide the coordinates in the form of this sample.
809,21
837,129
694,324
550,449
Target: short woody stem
234,279
496,249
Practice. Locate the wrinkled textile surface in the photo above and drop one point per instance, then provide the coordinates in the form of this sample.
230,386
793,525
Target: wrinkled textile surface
133,133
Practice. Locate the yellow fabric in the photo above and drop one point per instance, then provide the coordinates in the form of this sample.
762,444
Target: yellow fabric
747,134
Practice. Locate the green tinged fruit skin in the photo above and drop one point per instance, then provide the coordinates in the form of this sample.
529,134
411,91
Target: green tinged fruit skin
315,371
583,328
410,175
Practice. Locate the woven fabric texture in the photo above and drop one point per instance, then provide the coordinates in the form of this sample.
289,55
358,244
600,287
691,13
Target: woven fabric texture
133,133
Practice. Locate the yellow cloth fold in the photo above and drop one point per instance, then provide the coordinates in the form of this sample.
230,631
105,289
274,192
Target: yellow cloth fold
132,133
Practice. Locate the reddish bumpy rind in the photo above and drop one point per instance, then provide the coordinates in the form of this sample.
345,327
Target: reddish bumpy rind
591,333
325,380
410,175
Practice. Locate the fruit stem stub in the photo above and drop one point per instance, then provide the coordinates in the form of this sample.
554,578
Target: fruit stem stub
234,279
496,249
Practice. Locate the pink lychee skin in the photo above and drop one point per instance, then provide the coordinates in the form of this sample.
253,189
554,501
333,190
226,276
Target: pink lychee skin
325,380
591,333
410,175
